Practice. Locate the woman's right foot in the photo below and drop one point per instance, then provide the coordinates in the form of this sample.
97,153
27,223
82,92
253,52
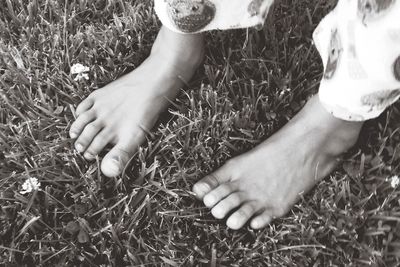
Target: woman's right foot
123,111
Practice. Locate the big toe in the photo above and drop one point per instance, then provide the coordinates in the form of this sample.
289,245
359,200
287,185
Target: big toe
115,160
113,164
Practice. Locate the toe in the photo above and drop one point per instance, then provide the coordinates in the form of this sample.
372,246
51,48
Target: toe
261,220
115,160
97,145
85,105
80,123
242,215
87,136
113,165
219,193
211,181
226,205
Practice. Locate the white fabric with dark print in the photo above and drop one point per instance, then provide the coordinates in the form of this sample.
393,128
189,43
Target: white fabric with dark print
359,43
190,16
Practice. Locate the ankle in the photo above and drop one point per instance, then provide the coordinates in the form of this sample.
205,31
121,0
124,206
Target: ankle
330,134
343,137
183,51
340,135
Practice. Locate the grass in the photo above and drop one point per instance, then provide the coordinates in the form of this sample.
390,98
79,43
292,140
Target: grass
251,84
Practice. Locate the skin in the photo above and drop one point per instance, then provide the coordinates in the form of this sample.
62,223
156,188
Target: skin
264,183
123,111
257,186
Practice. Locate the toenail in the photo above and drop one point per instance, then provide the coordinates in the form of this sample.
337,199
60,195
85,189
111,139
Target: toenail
114,166
217,212
256,224
232,223
209,200
79,147
73,135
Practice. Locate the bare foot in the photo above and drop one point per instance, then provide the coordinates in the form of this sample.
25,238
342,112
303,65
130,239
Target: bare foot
267,181
122,112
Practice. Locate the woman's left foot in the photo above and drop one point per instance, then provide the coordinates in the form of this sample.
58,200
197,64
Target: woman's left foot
266,182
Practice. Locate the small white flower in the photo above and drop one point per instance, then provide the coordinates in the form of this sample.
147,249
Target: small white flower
394,181
81,76
29,185
80,71
79,68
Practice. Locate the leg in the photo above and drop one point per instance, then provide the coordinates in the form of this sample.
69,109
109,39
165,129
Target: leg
360,51
121,112
265,182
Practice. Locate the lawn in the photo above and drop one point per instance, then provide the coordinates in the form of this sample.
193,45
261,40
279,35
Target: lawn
252,82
